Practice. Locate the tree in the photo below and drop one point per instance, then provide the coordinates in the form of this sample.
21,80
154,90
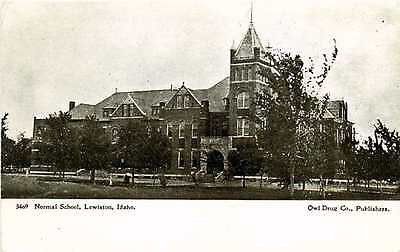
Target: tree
390,149
143,146
23,151
93,146
379,156
130,141
7,144
246,160
157,152
322,152
291,110
60,142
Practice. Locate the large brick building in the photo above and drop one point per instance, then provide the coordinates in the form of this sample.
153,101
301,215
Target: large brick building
200,122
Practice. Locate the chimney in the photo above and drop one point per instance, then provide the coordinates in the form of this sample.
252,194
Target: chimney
171,87
116,90
71,105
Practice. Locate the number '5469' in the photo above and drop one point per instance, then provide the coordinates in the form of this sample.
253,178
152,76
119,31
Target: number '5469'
22,206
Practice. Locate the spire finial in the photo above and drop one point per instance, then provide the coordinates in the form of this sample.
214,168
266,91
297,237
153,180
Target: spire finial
251,13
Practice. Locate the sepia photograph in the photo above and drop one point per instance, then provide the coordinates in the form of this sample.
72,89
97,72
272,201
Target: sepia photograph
183,125
213,100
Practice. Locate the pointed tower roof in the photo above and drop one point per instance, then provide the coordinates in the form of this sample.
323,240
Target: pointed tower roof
249,41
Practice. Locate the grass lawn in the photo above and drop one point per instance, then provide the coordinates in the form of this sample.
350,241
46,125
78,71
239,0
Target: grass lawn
32,187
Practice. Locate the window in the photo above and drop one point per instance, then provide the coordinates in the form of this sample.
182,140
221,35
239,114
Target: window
187,101
155,111
246,74
243,127
131,109
39,132
179,101
195,130
105,113
181,159
181,130
114,134
243,100
237,73
249,73
195,156
169,130
124,110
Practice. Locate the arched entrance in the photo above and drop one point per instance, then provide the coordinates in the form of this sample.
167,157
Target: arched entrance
215,162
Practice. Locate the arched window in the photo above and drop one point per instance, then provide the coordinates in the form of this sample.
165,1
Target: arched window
243,100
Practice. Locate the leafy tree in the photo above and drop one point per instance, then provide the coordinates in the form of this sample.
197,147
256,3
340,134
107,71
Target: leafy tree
130,141
379,156
59,139
246,160
143,146
7,144
157,152
291,110
390,149
322,152
23,151
93,146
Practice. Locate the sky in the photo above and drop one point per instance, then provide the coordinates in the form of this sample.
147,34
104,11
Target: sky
60,51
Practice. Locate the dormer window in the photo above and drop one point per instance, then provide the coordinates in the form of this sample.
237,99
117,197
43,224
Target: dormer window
226,101
131,109
106,113
243,100
124,110
179,101
187,101
155,111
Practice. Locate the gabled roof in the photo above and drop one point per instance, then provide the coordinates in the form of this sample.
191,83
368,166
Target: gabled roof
144,100
179,91
249,41
129,100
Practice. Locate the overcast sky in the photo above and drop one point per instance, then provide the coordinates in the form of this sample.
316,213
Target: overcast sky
54,52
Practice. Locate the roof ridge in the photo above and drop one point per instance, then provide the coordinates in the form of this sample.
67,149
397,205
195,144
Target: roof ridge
86,104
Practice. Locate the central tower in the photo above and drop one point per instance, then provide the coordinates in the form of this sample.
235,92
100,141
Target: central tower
247,62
